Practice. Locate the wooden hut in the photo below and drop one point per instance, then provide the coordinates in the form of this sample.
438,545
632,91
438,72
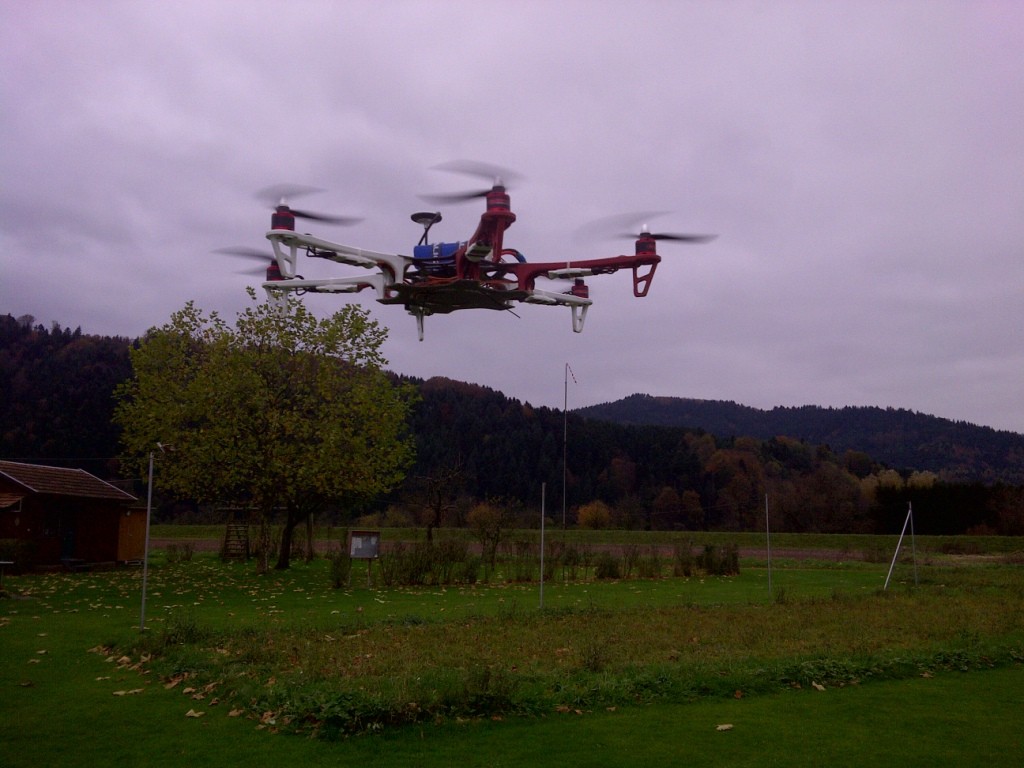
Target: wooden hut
55,515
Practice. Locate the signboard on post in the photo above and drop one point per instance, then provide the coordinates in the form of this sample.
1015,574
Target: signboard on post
364,545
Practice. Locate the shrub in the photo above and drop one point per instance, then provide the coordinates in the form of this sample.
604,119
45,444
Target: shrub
650,567
341,567
607,566
21,553
594,655
447,562
449,554
630,559
682,560
523,561
572,559
719,561
179,553
596,515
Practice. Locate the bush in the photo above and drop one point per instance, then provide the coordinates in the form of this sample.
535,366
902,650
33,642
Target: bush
571,562
179,553
682,560
21,553
630,559
719,561
524,557
607,566
447,562
341,568
596,515
650,567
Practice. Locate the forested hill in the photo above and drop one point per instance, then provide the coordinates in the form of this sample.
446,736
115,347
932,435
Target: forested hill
903,439
57,400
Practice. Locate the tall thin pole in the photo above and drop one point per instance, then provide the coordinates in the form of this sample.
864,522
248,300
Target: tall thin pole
145,551
768,540
565,437
543,490
899,544
913,542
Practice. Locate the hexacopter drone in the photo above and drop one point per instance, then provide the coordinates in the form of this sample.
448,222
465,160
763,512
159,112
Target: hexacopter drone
442,277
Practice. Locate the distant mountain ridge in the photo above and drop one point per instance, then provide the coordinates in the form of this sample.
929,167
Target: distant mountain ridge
955,450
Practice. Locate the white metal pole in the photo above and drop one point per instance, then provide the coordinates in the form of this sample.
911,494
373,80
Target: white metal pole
913,542
565,437
768,540
897,552
543,489
145,551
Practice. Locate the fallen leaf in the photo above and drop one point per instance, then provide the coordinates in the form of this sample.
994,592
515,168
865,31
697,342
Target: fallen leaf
724,727
235,712
193,713
818,686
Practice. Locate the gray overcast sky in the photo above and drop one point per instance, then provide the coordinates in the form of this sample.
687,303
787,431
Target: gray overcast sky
862,164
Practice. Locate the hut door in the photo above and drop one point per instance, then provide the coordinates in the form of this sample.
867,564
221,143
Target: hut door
67,536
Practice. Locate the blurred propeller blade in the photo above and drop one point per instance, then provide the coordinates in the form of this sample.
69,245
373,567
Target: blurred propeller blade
455,197
246,253
634,226
486,171
254,272
280,194
679,238
498,176
276,194
326,218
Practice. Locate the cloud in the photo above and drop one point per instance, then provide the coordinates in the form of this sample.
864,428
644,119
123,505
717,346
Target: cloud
862,164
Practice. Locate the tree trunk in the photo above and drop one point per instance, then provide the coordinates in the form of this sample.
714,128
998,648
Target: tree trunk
310,554
284,556
263,545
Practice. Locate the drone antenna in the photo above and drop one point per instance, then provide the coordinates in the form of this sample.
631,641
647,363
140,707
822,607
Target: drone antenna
426,219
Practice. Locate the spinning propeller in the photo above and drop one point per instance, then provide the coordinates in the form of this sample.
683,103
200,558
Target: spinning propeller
500,177
677,237
636,229
278,194
253,254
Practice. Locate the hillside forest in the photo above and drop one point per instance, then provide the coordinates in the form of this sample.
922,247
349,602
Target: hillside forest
475,445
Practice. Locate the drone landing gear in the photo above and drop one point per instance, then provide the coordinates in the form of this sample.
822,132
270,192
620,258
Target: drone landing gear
418,314
579,315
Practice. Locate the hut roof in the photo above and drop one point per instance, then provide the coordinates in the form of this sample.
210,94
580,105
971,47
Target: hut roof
60,481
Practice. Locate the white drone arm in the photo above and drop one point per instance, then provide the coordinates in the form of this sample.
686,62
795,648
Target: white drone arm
330,285
287,243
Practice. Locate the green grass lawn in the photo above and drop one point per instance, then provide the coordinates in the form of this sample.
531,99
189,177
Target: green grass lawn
66,697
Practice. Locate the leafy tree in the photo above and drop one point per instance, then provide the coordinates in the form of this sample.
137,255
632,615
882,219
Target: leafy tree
693,512
490,521
281,411
667,509
434,495
594,515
